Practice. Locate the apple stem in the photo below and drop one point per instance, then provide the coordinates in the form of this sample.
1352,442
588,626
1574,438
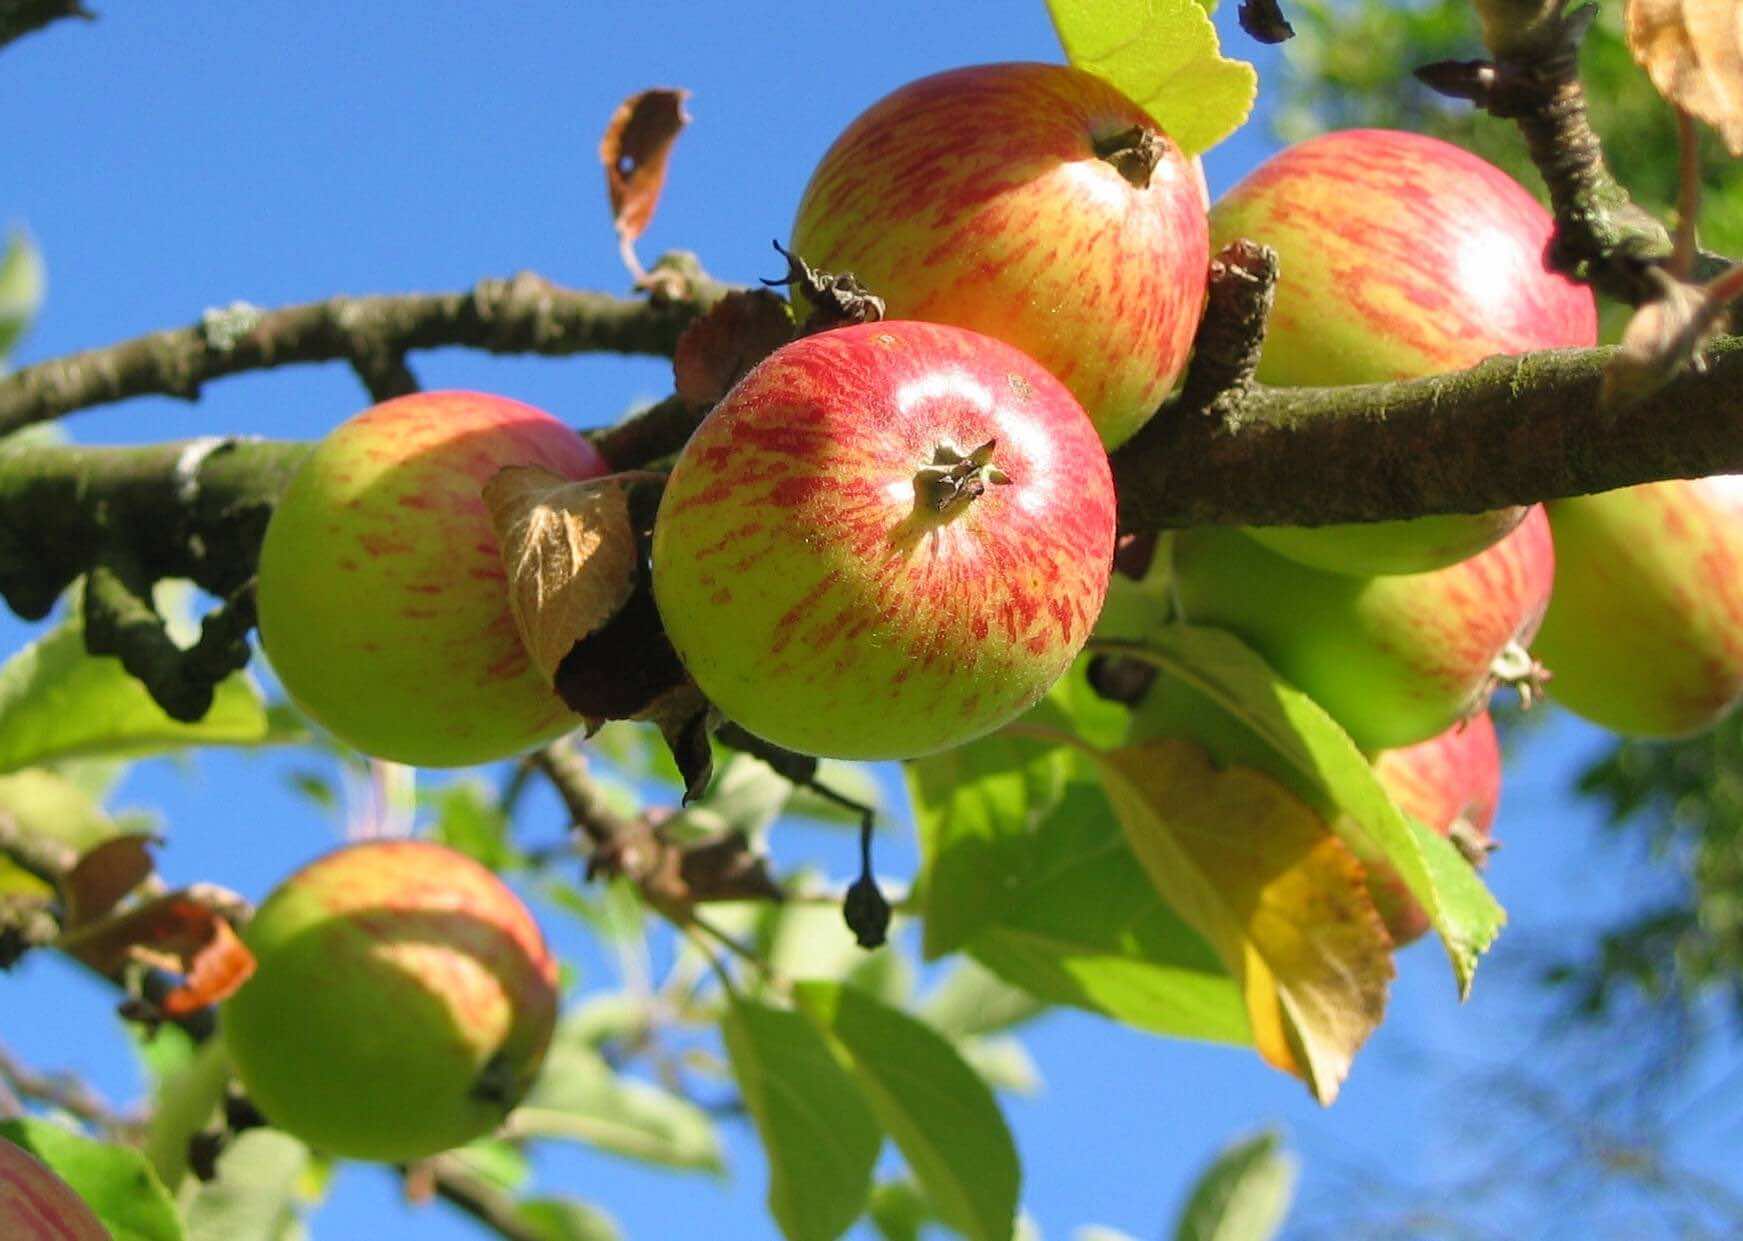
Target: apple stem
1134,152
955,477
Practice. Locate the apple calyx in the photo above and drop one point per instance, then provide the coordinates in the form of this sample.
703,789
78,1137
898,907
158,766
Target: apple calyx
1134,153
954,478
1516,668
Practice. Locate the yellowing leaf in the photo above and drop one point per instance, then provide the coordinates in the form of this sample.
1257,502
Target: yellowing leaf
1693,52
1163,54
1279,897
569,551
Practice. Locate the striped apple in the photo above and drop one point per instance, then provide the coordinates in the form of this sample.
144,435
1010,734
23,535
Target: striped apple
36,1205
1645,633
383,606
1451,784
1400,256
1036,204
885,541
1394,659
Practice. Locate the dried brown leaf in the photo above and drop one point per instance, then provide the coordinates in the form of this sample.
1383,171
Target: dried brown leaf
570,554
1693,52
105,874
739,330
1666,335
185,931
637,143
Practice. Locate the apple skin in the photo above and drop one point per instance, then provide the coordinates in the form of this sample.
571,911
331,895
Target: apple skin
1452,778
383,604
36,1205
1400,256
1645,633
819,603
402,1002
976,197
1394,659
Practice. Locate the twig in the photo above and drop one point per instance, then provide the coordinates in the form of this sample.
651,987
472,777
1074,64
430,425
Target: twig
481,1198
66,1092
583,799
524,314
1225,350
20,17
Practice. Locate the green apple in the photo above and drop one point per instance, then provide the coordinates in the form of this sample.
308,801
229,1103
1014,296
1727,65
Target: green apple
1034,203
383,606
1645,633
1400,256
401,1004
1396,659
885,541
36,1205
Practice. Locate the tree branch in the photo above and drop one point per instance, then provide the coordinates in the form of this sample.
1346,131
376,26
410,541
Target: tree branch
20,17
522,315
481,1198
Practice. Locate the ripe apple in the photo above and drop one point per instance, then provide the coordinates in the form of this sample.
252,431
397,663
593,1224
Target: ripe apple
1394,659
1031,202
401,1005
1400,256
1451,784
1645,633
36,1205
886,540
383,605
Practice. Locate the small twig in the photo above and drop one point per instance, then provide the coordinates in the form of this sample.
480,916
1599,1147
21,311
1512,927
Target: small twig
1231,335
649,434
1688,196
582,798
65,1092
20,17
478,1197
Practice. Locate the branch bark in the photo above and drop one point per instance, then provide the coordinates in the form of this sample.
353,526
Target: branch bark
526,314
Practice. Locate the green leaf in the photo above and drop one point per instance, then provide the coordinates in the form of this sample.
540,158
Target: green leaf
820,1137
253,1197
971,999
1218,693
469,819
1025,865
1003,1063
23,279
1243,1196
501,1163
940,1112
898,1210
58,702
115,1181
1164,55
579,1097
566,1219
48,806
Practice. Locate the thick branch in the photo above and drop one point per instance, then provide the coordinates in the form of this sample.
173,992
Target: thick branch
19,17
526,314
1509,431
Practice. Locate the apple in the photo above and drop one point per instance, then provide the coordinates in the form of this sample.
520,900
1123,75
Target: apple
401,1004
382,600
1645,633
36,1205
1394,659
1036,204
1400,256
1451,784
885,541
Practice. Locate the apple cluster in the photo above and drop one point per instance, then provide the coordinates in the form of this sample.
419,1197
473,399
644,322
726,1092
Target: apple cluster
891,538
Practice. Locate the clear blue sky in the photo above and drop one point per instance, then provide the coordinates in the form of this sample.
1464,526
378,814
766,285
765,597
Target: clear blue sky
169,158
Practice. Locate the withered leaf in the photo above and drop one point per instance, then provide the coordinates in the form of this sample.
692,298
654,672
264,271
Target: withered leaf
185,931
715,351
637,143
1693,52
1667,335
569,552
105,874
620,669
1281,899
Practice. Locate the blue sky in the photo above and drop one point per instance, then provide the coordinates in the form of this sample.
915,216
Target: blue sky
173,158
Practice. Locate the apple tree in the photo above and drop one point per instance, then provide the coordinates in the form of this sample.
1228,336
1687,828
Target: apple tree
1174,548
